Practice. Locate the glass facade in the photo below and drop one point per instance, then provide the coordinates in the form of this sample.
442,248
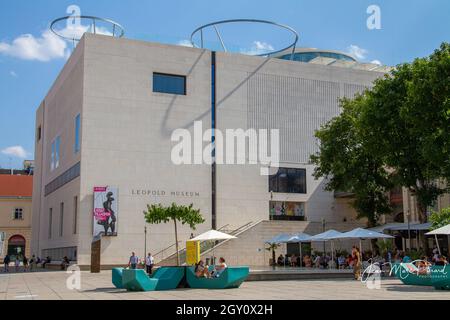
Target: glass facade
308,56
288,180
167,83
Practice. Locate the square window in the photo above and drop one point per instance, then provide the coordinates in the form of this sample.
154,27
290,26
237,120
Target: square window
18,214
167,83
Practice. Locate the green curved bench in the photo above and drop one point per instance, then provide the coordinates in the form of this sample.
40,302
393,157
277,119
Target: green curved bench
408,274
168,278
231,277
440,277
137,280
117,277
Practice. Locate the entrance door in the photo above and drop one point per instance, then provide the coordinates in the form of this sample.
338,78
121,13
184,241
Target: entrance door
16,246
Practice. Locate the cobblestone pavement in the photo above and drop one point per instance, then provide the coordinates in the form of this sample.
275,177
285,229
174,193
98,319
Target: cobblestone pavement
52,286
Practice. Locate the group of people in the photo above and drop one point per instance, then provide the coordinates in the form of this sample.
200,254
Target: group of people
22,263
203,270
134,261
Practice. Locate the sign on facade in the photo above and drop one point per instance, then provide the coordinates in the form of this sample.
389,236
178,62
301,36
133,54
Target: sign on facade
105,211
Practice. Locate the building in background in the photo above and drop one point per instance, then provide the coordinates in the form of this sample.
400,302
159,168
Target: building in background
105,129
15,212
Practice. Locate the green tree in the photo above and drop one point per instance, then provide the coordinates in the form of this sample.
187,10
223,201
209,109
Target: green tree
406,121
272,247
348,165
157,214
440,219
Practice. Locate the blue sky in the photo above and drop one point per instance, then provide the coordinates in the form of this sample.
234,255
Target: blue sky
409,29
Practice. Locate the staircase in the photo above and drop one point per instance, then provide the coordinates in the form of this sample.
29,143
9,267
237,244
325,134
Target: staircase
170,259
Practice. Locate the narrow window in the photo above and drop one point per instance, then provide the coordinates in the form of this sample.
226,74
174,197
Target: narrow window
39,133
61,219
75,214
77,134
50,223
167,83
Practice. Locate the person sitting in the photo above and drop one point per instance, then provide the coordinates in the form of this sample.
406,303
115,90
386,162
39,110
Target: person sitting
293,261
202,271
46,261
341,262
286,260
219,268
280,260
441,261
317,261
307,261
65,263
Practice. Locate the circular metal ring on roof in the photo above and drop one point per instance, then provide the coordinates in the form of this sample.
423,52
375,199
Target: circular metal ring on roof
214,25
116,29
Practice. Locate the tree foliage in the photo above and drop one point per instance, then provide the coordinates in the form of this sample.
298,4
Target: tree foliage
407,122
440,219
349,165
157,214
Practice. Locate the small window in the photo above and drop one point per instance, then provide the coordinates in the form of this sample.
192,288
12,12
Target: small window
18,214
75,214
167,83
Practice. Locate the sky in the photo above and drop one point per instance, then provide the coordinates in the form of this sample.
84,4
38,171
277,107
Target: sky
31,57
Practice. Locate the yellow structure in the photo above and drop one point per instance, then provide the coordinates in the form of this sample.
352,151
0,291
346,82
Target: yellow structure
192,252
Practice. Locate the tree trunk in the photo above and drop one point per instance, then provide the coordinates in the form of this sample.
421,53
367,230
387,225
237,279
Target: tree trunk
176,242
423,219
273,257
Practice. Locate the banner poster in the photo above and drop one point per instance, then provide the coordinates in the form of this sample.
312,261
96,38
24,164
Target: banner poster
105,211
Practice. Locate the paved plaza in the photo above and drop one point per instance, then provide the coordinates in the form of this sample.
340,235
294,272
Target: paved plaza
52,286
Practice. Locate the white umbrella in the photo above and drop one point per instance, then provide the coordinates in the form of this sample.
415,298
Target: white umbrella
329,235
441,231
213,235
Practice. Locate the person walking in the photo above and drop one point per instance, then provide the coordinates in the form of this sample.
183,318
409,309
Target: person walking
17,264
33,263
134,260
25,263
357,264
149,262
6,261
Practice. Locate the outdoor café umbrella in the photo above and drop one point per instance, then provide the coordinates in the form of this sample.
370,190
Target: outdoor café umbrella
329,235
361,234
213,235
441,231
299,238
281,238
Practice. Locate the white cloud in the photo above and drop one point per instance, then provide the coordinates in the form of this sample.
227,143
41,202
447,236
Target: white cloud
185,43
258,47
27,47
13,74
378,62
47,46
357,52
15,151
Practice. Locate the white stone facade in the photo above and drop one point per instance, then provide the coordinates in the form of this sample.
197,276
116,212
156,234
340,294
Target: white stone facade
126,133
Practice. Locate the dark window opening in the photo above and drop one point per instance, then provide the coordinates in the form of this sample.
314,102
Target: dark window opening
167,83
288,180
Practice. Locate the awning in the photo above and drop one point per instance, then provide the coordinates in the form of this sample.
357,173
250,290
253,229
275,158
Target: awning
414,226
299,238
387,226
360,233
